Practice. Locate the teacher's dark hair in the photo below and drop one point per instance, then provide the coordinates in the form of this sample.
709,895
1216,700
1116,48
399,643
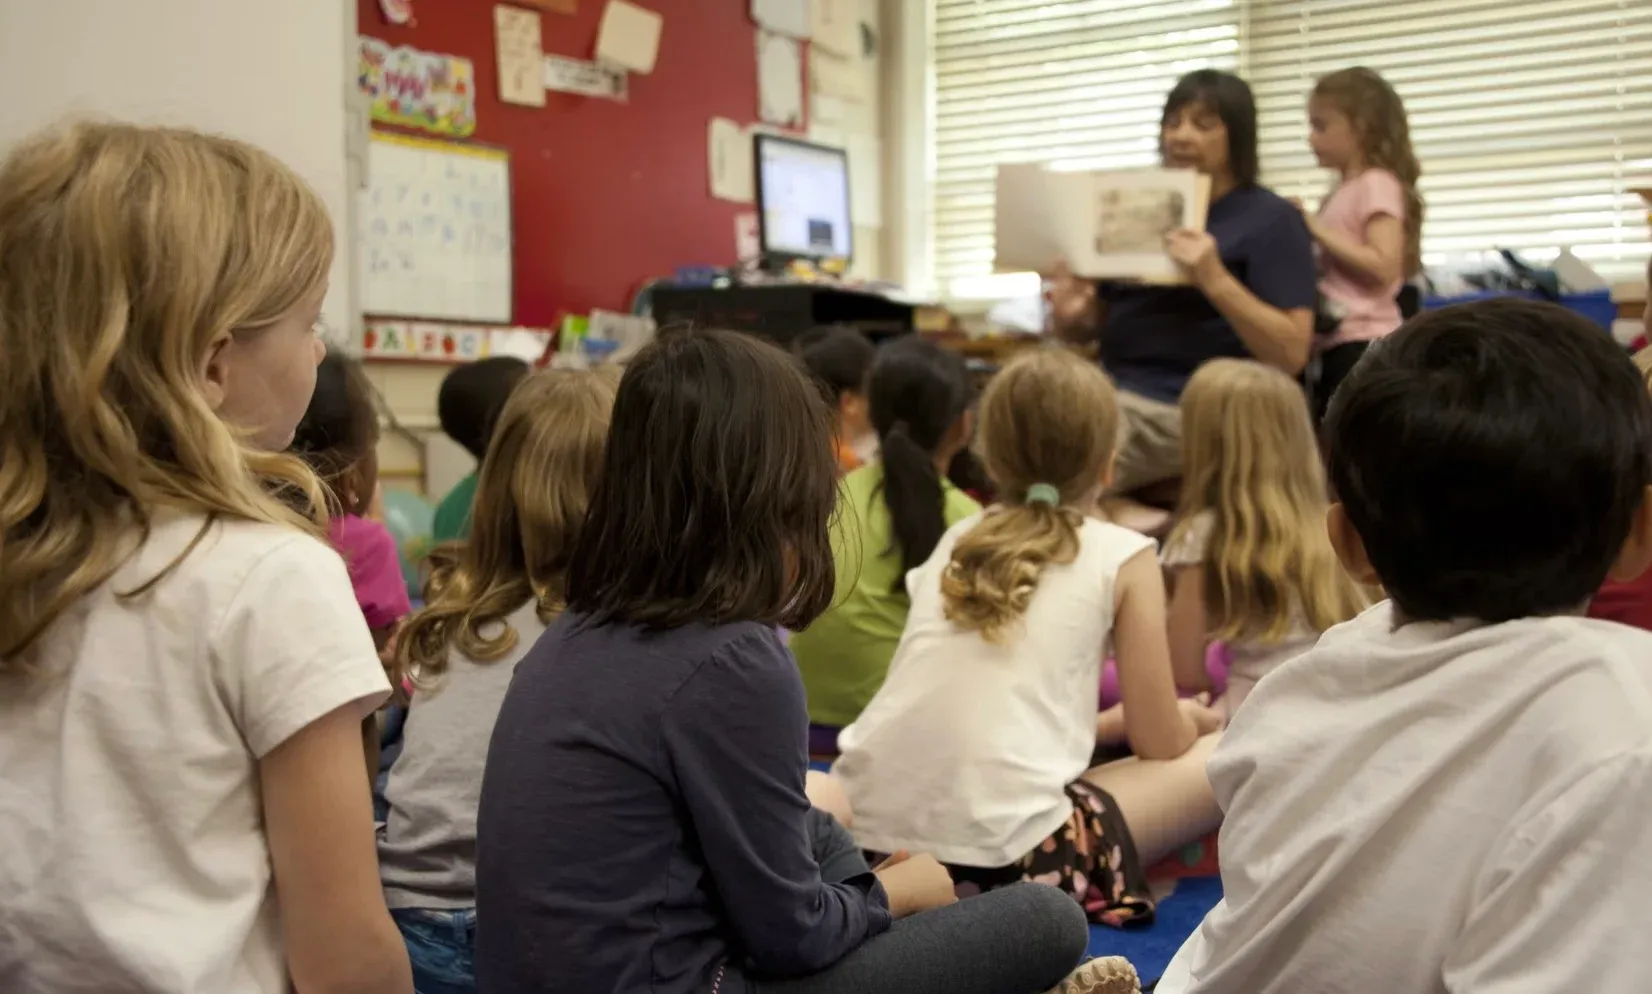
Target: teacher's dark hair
916,392
1230,98
716,493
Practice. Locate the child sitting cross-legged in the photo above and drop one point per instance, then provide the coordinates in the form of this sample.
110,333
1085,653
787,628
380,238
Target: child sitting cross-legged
487,601
644,825
977,747
1449,793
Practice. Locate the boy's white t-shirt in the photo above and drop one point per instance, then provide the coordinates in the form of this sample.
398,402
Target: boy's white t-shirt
1439,807
134,855
966,751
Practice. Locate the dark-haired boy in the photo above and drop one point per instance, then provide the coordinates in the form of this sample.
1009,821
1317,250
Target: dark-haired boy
840,359
1451,792
469,403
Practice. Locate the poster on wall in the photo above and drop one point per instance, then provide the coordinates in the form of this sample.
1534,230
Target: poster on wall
418,89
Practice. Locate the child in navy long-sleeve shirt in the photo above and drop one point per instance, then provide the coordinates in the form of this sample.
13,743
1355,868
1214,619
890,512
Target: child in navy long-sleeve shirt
643,823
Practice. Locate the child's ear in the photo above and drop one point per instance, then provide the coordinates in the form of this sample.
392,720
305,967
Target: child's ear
1636,555
215,372
1350,548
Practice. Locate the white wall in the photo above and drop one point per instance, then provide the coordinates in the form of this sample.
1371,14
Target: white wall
272,72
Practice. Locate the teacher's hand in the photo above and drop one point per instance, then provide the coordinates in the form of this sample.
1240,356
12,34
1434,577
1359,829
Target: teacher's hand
1072,301
1195,252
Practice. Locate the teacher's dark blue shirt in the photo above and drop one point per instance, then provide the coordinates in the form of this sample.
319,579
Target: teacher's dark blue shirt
1154,337
643,821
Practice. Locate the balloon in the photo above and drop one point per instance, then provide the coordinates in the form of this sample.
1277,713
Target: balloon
411,520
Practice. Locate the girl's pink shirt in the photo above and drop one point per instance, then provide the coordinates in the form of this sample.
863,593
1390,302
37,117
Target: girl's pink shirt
1370,312
369,553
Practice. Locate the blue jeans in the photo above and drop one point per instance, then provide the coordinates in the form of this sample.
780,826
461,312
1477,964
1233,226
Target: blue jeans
441,944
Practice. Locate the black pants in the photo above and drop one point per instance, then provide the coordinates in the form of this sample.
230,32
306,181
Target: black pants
1334,366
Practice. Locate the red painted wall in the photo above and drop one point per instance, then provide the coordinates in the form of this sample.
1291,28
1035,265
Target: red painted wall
605,194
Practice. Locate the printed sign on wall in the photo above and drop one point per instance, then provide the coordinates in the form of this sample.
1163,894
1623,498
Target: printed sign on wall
418,89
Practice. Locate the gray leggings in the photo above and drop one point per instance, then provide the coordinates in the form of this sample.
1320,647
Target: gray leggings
1017,940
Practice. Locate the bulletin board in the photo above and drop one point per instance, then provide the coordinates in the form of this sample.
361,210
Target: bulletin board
434,238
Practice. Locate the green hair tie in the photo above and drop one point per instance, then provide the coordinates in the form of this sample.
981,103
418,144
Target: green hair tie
1044,493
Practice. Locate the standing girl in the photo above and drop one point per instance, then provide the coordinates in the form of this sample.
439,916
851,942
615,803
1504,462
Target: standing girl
339,438
643,823
183,669
978,746
1369,229
1250,561
487,601
893,511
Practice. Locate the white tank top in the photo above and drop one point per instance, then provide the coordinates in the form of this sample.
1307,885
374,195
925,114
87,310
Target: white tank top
966,751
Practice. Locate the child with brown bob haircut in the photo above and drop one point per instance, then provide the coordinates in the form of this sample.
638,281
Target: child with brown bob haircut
644,825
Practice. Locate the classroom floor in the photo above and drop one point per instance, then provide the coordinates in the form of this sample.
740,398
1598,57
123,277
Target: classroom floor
1150,949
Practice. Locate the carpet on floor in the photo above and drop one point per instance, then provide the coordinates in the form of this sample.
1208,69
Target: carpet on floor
1150,949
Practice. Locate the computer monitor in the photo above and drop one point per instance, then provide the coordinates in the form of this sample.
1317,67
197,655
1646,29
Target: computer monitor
802,200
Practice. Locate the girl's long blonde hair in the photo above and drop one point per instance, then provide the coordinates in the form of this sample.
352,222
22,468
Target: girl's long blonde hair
125,253
1049,418
531,496
1251,462
1378,116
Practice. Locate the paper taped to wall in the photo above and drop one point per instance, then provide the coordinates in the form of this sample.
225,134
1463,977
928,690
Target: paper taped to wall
836,27
565,75
517,45
779,80
792,18
629,37
834,76
729,155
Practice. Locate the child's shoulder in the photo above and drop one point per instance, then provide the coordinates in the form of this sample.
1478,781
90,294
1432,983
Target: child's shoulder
192,549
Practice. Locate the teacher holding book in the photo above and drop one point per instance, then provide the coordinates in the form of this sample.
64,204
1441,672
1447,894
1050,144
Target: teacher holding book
1250,288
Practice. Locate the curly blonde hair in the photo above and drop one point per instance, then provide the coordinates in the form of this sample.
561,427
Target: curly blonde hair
1049,417
1378,116
125,254
1251,463
531,495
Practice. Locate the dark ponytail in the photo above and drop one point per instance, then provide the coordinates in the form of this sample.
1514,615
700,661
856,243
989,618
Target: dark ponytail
917,391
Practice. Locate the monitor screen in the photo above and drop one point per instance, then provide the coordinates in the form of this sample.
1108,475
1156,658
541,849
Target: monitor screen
803,197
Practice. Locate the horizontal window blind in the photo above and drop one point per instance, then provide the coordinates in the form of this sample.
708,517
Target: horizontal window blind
1532,118
1080,83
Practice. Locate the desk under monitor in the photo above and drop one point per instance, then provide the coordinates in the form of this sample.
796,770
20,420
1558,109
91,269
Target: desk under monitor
782,311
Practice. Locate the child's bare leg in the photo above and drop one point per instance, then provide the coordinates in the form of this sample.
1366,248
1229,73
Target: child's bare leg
1166,803
826,793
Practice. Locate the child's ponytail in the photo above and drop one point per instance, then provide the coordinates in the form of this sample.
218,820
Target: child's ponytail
917,392
995,568
1049,425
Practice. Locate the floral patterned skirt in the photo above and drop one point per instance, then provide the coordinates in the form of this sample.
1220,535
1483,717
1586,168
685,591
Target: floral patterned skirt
1091,856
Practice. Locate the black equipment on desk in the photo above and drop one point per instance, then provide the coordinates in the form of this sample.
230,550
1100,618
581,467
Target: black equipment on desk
781,311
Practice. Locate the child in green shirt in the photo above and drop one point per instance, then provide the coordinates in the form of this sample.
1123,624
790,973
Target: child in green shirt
891,513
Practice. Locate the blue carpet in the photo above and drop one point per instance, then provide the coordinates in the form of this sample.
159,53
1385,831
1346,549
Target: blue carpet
1151,949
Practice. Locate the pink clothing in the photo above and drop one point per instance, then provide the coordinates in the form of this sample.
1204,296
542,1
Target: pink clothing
1369,311
369,554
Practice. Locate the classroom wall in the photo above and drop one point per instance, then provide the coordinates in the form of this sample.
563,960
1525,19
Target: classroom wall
604,194
273,74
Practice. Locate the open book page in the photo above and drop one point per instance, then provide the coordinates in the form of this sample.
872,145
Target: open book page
1107,225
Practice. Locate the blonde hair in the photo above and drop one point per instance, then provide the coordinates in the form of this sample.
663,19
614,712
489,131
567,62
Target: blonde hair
1048,418
531,496
125,253
1378,117
1251,462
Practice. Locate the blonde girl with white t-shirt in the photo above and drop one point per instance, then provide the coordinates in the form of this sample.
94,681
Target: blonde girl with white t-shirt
1250,563
183,668
977,748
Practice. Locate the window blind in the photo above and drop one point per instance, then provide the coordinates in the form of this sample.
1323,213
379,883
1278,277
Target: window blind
1080,83
1532,118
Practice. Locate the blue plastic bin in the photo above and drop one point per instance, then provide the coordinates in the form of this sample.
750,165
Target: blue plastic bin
1596,305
